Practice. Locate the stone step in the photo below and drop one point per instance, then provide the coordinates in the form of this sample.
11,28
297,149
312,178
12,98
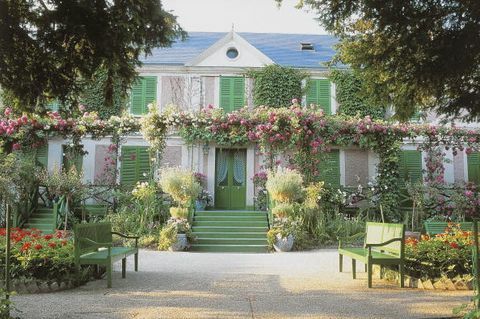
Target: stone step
229,213
230,218
232,229
251,235
232,223
230,248
231,241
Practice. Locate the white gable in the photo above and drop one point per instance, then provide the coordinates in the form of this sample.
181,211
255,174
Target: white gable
216,55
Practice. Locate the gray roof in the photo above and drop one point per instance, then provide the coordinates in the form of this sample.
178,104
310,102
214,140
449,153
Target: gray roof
283,49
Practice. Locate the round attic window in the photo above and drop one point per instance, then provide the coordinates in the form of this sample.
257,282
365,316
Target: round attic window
232,53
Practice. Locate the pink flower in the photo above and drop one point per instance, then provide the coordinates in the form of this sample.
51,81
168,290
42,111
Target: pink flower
81,108
8,111
16,147
294,101
468,193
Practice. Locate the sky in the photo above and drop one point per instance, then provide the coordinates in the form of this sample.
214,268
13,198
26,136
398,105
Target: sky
246,16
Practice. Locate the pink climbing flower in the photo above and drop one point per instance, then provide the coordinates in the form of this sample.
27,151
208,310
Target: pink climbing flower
16,147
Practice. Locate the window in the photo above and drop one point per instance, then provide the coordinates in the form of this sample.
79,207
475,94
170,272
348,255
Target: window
410,166
71,157
143,92
135,165
232,93
232,53
319,93
329,168
473,167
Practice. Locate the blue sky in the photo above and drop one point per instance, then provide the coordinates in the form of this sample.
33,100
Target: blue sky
246,15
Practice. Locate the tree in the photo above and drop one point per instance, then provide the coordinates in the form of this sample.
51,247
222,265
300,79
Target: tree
49,48
410,53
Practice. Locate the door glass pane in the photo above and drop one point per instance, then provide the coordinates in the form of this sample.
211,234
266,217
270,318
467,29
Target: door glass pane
239,168
222,168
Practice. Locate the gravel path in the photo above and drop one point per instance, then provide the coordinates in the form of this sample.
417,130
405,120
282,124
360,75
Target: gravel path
204,285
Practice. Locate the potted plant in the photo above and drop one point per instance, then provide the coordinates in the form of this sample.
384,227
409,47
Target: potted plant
176,235
284,187
203,200
183,187
282,235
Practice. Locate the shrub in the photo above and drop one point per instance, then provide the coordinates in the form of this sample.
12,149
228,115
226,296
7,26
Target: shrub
284,186
174,226
179,212
180,184
283,210
445,255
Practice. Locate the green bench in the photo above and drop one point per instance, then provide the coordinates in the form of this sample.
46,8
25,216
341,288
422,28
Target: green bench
93,246
435,228
384,245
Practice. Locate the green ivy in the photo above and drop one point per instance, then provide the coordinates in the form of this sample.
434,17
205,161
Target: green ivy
276,86
93,96
350,98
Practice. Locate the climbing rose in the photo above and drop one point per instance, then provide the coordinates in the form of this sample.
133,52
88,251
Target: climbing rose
16,147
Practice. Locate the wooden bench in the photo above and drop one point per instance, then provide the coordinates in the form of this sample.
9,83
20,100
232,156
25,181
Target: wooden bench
93,246
384,245
435,228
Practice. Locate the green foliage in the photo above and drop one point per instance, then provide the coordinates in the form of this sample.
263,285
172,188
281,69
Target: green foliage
276,86
93,96
285,185
282,210
400,62
61,182
38,257
181,184
141,211
445,255
47,50
349,95
168,234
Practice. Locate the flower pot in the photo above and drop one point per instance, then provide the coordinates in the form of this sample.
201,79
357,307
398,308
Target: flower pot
284,244
200,205
181,244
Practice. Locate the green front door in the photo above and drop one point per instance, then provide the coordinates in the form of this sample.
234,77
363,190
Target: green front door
230,178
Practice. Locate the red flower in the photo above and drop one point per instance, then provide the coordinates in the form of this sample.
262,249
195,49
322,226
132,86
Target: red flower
26,246
38,246
52,245
48,237
454,245
64,242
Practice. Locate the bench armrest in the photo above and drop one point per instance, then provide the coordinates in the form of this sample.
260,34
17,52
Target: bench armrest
349,239
384,243
127,236
95,242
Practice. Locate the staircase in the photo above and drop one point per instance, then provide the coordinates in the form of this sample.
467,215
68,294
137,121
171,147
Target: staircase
230,231
43,218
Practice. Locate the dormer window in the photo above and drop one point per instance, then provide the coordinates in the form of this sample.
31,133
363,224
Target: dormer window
307,46
232,53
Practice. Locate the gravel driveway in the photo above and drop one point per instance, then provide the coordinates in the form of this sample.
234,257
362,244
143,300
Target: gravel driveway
209,285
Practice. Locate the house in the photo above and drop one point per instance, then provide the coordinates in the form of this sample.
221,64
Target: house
208,68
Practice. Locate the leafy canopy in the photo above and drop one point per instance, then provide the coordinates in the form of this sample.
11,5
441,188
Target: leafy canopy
410,53
48,47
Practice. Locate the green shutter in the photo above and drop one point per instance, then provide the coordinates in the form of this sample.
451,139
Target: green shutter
410,166
135,165
42,156
329,168
232,93
143,92
473,166
319,94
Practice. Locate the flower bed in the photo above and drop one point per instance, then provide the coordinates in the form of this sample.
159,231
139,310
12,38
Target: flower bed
39,260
